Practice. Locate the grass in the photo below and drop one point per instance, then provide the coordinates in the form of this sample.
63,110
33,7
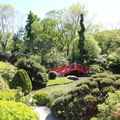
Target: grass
6,66
59,81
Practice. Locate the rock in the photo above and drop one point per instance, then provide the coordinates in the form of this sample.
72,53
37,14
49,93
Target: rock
72,77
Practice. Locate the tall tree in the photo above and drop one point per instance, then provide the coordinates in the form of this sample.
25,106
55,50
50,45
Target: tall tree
67,24
29,34
7,13
82,39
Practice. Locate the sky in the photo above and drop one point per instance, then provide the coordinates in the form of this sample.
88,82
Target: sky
105,12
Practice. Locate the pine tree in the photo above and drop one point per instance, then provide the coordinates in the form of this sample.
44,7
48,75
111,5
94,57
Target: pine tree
29,34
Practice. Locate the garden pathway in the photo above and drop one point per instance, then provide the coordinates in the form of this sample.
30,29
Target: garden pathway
44,113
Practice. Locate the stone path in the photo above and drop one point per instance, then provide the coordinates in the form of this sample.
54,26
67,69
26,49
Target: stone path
44,113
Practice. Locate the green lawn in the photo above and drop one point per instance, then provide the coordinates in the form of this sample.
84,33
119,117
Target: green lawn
59,81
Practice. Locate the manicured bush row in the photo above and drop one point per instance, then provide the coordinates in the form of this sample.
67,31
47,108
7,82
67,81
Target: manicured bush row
81,102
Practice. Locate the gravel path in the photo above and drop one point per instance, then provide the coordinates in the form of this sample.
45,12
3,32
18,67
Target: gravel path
44,113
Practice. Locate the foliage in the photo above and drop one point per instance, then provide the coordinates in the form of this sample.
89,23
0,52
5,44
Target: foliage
52,74
6,66
42,97
7,13
96,69
36,72
55,58
59,81
108,40
21,79
36,58
113,61
92,50
16,111
3,84
7,75
7,71
110,108
81,101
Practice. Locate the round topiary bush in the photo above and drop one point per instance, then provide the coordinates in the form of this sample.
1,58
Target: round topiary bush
52,74
93,84
16,111
21,79
105,90
106,82
96,92
42,98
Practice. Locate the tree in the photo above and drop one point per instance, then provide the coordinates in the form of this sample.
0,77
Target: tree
91,49
67,24
54,58
29,34
7,13
109,40
81,40
6,18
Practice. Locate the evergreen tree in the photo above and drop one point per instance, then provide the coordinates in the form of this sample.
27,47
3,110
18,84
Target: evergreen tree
29,34
82,39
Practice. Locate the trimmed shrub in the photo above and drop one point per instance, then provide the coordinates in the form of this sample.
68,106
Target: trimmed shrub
84,88
102,75
81,102
3,84
16,111
117,83
52,75
106,82
105,90
93,84
21,79
110,109
36,72
91,102
42,98
96,92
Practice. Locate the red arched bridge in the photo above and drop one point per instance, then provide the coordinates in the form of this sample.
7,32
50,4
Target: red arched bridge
71,69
